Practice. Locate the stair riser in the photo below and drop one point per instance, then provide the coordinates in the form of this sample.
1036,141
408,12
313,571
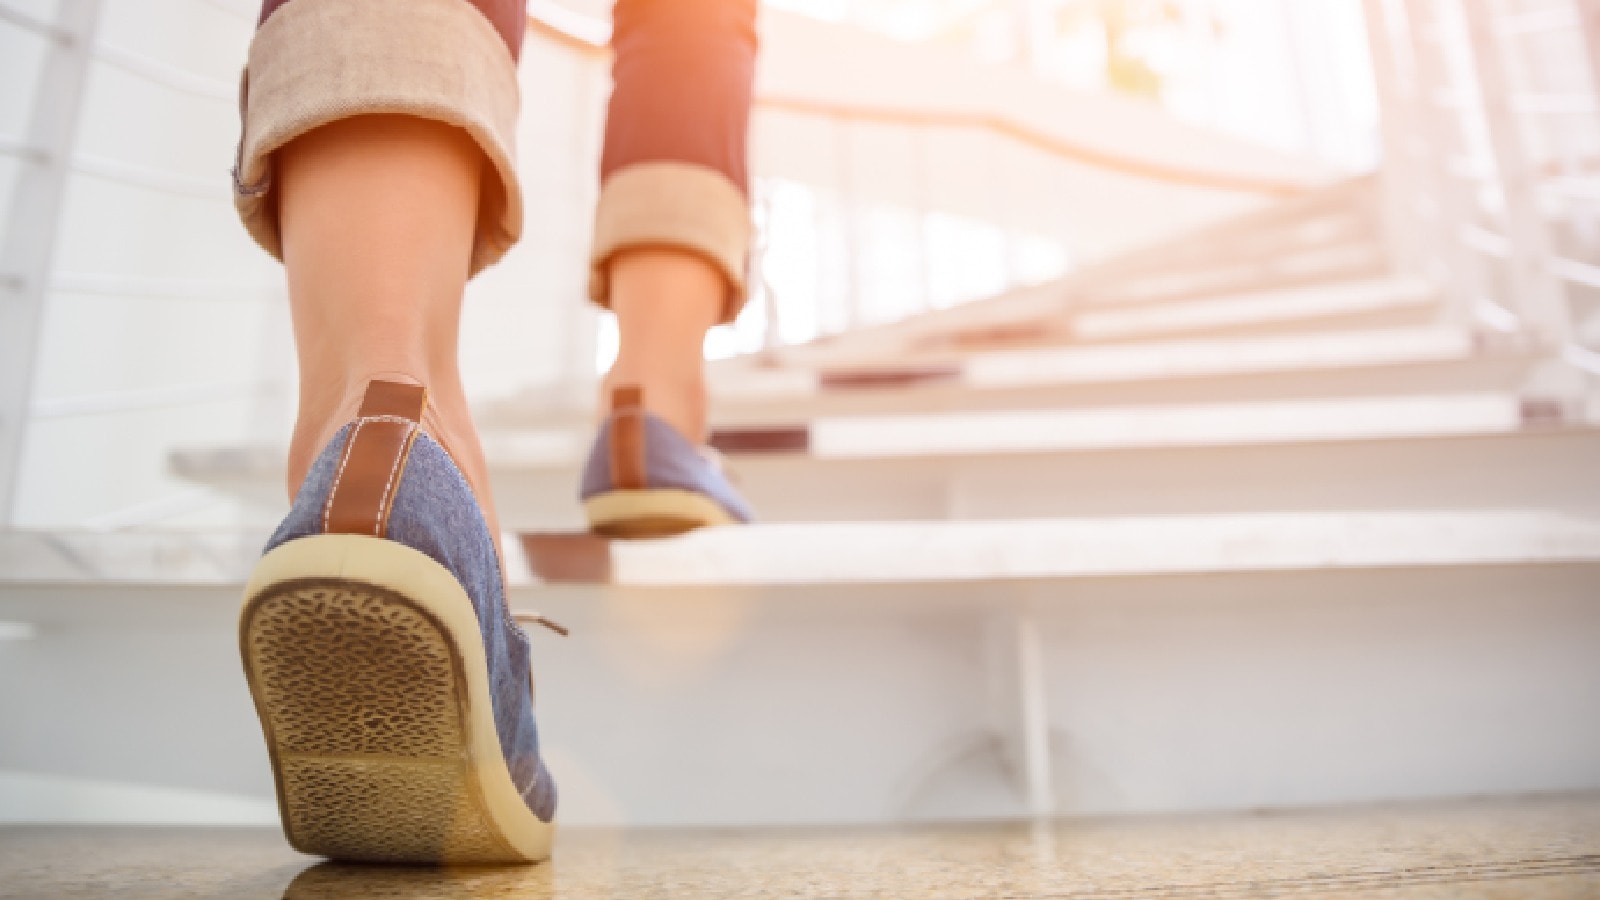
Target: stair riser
1455,376
870,705
1527,471
1096,329
1222,276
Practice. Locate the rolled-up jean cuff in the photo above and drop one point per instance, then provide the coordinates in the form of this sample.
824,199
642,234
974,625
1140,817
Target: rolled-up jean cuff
314,62
678,205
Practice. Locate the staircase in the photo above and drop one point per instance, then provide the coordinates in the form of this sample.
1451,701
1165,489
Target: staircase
1242,520
1294,508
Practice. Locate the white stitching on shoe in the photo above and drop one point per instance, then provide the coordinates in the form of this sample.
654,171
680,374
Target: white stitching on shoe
350,442
399,459
327,508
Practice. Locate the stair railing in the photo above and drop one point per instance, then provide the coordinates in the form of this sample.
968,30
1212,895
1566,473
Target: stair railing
998,214
1491,129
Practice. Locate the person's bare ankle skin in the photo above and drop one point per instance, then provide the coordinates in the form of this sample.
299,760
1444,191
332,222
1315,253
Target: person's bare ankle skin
665,301
378,215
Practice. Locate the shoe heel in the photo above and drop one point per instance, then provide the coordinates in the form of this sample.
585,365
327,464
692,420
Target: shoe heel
364,660
651,513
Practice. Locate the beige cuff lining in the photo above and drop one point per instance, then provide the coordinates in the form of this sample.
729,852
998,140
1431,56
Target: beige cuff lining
317,61
673,204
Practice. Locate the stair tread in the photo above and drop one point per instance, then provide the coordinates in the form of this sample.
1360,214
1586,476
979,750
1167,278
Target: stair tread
979,434
989,432
1100,375
1176,359
1261,308
747,379
1052,430
892,552
1219,243
1031,431
878,552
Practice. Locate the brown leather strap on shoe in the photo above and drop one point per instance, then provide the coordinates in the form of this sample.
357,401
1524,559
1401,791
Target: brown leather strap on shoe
627,438
374,459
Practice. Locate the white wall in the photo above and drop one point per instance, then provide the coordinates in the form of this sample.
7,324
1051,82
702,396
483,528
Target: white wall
156,325
859,704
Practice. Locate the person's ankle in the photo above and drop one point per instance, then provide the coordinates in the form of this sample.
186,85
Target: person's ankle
325,410
446,419
328,403
680,398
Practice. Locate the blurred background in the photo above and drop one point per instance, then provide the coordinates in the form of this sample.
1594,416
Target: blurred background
1157,404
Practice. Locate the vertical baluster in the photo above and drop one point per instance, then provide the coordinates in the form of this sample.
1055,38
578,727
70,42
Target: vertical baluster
1539,296
28,252
919,211
1455,265
844,158
1401,178
1589,22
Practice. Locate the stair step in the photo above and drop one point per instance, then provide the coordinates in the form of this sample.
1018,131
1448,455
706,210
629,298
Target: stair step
1187,358
1499,373
1348,260
1543,468
1005,431
920,552
1281,231
753,381
1357,661
1034,431
1382,300
833,553
1347,364
1291,305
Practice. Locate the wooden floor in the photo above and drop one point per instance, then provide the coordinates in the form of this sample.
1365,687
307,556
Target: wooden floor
1538,848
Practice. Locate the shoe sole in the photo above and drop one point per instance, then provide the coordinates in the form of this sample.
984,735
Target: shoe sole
656,512
366,665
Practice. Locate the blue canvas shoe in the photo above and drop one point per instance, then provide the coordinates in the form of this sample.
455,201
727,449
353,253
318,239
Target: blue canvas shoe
645,479
393,687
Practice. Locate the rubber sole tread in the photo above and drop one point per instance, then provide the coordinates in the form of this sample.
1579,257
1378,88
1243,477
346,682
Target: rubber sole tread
362,698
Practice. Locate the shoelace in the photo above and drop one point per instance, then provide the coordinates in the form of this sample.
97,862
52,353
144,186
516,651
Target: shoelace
719,462
534,618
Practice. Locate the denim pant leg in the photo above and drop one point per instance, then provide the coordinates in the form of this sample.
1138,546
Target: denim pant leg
314,62
674,167
674,170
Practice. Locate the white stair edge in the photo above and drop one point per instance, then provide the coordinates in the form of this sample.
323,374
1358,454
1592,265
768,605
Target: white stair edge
1344,254
917,552
1176,359
1062,430
1027,431
1151,361
1341,298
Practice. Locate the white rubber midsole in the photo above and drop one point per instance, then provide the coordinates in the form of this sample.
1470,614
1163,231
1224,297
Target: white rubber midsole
655,503
430,586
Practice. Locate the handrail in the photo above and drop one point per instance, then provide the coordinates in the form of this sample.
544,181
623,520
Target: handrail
1031,137
34,24
996,124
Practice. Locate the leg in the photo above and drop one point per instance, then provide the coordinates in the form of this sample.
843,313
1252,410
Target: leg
381,218
395,692
665,300
384,298
673,227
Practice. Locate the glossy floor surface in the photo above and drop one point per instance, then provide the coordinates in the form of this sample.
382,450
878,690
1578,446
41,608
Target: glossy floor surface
1537,848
